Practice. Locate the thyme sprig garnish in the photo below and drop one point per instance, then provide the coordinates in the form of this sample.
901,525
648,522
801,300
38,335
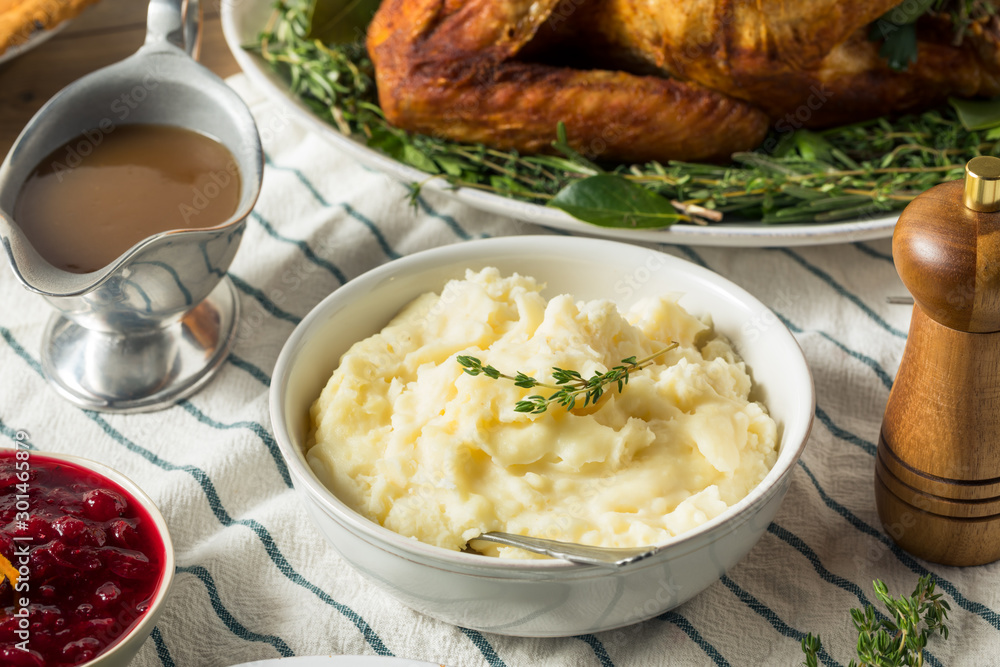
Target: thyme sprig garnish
885,642
859,171
569,385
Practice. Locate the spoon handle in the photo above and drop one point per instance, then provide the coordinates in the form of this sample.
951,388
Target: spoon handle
574,553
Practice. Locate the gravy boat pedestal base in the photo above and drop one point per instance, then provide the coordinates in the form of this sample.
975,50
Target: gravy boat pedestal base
112,372
151,327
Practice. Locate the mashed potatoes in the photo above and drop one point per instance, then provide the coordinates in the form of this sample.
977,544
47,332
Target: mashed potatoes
406,438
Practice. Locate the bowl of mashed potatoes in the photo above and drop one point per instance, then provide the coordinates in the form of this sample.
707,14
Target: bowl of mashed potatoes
404,456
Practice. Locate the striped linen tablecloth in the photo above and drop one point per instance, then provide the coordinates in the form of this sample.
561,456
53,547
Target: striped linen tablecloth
255,579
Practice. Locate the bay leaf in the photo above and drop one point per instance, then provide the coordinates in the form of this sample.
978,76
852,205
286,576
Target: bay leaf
609,200
977,114
340,21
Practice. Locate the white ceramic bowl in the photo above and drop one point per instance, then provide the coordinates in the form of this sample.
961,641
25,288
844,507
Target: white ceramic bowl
542,598
124,649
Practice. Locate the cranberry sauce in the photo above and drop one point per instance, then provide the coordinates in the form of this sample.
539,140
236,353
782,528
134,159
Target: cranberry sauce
89,556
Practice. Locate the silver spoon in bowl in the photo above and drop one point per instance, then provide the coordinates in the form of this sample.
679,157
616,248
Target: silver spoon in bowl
575,553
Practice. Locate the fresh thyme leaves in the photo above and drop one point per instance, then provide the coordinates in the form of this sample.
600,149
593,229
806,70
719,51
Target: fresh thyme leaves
864,170
885,642
569,385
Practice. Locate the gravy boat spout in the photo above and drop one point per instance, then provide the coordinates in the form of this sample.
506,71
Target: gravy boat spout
150,327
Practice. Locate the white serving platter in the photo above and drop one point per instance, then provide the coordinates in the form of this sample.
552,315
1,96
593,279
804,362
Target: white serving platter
243,22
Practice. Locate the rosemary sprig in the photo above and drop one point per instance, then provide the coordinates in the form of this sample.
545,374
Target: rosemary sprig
885,642
863,170
569,385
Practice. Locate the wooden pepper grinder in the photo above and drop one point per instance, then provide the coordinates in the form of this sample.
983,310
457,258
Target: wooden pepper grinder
937,471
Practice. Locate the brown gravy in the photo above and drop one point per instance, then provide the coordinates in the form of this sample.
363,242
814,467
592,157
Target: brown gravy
98,195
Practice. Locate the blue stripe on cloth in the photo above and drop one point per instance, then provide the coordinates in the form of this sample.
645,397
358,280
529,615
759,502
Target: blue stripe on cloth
265,303
12,434
208,488
20,351
598,649
866,360
447,219
768,615
872,252
847,436
479,641
227,617
977,608
839,289
863,358
302,246
250,368
799,545
350,210
357,215
161,648
695,636
255,427
692,255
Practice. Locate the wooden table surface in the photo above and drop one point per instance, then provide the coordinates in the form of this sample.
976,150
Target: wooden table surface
103,34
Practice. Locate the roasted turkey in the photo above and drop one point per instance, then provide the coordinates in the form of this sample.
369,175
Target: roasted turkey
638,80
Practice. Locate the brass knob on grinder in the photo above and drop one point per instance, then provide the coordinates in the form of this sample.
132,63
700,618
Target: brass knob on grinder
937,470
982,184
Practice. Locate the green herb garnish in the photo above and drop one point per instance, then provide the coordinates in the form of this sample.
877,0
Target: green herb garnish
884,642
864,170
897,31
569,385
898,34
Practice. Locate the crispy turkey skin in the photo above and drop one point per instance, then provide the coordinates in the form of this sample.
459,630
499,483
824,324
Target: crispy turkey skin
674,80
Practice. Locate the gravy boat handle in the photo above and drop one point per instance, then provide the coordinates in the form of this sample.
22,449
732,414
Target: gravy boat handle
176,22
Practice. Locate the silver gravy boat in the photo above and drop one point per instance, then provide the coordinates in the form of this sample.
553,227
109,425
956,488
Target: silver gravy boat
151,327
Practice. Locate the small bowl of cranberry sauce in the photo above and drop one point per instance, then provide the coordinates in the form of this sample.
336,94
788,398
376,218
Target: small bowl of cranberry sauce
85,562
